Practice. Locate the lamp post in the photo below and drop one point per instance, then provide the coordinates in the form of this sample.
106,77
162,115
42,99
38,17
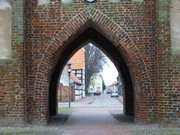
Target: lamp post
69,74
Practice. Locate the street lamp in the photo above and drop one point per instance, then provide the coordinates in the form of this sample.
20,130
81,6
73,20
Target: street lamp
69,74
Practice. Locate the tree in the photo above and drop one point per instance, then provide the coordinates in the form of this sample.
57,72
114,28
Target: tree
103,85
95,59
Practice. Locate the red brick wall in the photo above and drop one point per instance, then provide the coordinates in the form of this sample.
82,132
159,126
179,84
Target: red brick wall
12,79
129,28
63,93
49,30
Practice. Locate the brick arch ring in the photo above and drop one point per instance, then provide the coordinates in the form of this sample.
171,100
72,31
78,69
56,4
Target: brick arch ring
115,33
108,27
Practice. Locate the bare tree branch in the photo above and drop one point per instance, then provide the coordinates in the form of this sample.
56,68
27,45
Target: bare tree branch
95,59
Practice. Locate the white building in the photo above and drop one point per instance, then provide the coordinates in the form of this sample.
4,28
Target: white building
96,83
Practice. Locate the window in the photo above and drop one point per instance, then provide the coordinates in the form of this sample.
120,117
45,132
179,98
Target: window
114,1
43,2
5,29
175,25
66,1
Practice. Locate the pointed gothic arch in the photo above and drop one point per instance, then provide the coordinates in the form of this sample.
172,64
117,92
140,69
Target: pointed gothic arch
95,21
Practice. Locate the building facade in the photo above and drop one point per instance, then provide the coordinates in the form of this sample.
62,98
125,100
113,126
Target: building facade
78,69
96,84
140,36
77,78
66,85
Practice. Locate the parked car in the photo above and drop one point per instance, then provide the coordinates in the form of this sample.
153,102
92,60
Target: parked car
97,93
114,94
108,91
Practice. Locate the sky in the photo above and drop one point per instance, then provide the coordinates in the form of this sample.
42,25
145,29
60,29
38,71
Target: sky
109,73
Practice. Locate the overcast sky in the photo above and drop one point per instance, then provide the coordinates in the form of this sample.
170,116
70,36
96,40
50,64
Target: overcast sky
109,73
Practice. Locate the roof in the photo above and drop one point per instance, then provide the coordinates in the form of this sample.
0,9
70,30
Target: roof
78,59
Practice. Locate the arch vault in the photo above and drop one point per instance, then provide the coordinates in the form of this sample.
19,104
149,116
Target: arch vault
88,25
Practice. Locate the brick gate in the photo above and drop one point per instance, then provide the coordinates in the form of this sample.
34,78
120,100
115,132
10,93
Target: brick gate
46,35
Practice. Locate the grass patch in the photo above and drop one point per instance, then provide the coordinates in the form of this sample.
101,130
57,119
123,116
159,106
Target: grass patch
156,132
64,110
16,133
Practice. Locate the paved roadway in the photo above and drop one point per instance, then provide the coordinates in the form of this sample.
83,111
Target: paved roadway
95,115
102,101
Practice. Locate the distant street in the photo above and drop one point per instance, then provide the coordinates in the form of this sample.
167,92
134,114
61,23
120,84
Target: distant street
102,101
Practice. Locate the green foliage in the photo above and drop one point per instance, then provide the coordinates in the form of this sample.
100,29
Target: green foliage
140,1
104,86
16,133
175,51
156,132
152,117
19,39
64,110
68,7
163,10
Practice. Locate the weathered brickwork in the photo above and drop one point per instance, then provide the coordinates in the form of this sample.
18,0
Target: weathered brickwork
12,92
168,68
139,30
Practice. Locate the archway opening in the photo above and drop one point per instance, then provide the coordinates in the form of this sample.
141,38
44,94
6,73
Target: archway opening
90,35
